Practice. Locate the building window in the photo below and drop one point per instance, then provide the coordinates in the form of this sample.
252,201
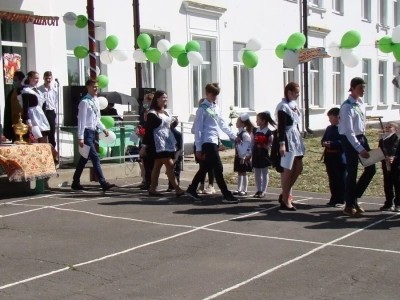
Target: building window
241,77
366,10
316,3
382,81
366,71
396,74
337,6
314,82
382,12
203,73
288,75
337,81
395,13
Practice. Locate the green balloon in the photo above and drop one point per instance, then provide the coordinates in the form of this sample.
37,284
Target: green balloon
296,41
192,46
176,50
153,55
81,51
280,50
385,44
112,42
103,81
396,51
102,152
144,41
350,39
107,121
81,21
250,59
183,60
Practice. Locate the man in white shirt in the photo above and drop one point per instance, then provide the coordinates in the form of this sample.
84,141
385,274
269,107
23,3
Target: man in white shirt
205,128
355,143
50,107
88,122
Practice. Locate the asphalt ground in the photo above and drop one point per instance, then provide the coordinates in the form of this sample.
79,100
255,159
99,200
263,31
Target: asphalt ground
126,245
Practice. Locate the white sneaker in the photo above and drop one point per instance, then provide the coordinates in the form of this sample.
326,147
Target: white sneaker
210,190
201,190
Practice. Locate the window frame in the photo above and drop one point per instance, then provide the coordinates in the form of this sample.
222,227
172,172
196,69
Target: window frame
396,91
311,86
396,13
367,17
319,3
382,12
338,83
238,65
340,4
383,76
367,78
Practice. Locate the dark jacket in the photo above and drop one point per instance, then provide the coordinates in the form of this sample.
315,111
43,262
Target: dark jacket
335,151
390,147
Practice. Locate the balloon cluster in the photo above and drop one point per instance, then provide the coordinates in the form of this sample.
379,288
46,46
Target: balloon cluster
164,53
108,123
345,50
389,44
248,54
107,56
289,51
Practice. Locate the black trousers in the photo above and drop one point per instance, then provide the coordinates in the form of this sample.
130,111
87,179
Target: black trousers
51,117
391,181
148,163
211,161
336,171
355,189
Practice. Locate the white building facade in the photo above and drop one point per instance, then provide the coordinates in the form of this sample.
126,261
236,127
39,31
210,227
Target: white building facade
222,27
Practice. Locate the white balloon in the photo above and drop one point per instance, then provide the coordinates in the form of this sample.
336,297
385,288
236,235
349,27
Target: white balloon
103,102
195,58
240,54
119,55
108,139
254,44
100,33
350,58
106,57
291,59
396,34
139,56
97,71
166,60
334,49
70,18
163,45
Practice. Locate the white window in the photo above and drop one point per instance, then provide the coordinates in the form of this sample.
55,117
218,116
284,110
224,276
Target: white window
314,82
382,81
241,79
395,13
382,16
396,74
366,71
337,6
153,76
203,73
315,3
288,75
366,10
337,81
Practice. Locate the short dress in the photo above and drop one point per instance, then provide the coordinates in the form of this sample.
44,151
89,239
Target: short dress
261,158
243,150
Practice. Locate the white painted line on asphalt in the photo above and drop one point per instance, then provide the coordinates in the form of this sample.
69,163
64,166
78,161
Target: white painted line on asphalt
234,287
32,198
22,212
366,248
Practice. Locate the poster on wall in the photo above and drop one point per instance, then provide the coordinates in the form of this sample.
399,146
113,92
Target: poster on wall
11,64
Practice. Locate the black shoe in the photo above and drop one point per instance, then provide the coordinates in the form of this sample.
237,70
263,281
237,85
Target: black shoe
257,195
144,187
284,207
140,185
169,190
194,195
107,186
230,199
77,187
386,208
331,204
280,199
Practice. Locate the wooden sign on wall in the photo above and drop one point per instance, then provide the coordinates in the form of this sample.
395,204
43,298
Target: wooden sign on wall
26,18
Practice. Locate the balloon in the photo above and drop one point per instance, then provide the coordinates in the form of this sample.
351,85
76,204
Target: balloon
296,41
97,71
166,61
396,51
254,44
349,58
139,56
334,49
119,55
183,60
107,121
240,54
350,39
108,139
385,44
103,102
280,50
153,55
163,45
102,152
192,46
112,42
396,34
250,59
70,18
291,59
195,58
177,50
81,51
100,33
103,81
81,21
106,57
144,41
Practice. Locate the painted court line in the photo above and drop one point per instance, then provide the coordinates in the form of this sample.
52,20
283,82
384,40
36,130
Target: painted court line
366,248
227,290
22,212
32,198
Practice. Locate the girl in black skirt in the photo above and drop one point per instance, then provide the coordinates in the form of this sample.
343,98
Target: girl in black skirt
242,163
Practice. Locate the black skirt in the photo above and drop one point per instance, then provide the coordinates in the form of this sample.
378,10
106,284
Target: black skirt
238,167
165,154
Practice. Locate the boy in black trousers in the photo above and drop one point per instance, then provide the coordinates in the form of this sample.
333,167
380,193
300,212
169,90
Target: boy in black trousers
178,154
334,160
390,166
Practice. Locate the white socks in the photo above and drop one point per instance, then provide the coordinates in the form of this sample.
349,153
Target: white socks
261,176
243,182
240,181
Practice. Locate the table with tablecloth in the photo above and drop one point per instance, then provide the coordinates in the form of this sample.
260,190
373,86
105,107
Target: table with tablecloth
27,162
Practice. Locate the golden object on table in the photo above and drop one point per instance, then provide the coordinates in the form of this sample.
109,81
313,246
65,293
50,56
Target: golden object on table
20,129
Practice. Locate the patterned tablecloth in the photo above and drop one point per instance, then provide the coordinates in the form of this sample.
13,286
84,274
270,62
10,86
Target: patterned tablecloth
27,162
